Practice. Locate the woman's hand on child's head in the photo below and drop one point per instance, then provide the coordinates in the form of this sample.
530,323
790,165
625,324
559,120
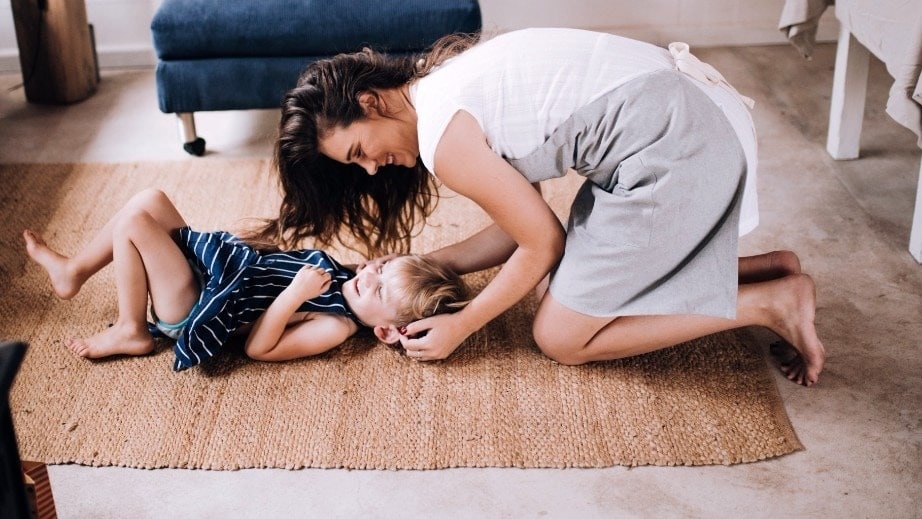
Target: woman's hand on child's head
433,338
310,282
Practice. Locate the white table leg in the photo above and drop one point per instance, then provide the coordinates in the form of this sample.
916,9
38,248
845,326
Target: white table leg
915,235
849,88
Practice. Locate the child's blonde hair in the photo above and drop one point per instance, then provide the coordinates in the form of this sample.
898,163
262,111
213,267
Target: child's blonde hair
425,289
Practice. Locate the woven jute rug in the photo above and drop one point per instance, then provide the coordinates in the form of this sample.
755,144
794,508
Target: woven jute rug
497,402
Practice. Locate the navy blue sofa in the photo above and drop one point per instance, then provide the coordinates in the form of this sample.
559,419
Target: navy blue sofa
245,54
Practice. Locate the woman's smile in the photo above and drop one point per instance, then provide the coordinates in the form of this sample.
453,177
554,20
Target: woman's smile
373,142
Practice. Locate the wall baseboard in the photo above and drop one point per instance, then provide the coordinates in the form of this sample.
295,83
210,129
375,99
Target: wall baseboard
109,57
9,61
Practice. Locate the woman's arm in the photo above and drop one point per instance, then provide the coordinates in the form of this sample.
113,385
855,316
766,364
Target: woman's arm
465,163
271,338
488,248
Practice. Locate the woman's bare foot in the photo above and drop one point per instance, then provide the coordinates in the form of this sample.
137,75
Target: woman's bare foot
793,319
771,265
63,281
125,339
787,358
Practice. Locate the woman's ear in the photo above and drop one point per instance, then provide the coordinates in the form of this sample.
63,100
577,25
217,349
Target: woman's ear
370,104
387,334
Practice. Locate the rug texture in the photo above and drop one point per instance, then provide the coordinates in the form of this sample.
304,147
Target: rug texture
497,402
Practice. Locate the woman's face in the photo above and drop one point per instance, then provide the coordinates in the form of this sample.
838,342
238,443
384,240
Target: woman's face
373,142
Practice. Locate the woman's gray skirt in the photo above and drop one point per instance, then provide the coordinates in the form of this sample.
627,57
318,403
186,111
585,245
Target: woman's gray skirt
654,228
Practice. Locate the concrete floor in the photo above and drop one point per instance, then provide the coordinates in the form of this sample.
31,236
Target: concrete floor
849,221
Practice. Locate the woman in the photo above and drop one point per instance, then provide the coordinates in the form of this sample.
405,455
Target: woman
649,257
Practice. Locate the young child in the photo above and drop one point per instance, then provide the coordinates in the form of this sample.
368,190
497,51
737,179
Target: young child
206,286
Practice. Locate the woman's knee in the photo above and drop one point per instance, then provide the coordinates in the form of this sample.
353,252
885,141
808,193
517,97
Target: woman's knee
556,344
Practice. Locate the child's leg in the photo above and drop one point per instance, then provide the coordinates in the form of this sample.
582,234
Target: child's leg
147,262
67,275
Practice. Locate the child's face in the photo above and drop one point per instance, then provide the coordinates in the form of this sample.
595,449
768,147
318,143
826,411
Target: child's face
370,294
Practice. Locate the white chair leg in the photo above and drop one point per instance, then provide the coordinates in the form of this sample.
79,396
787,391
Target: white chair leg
849,88
192,143
915,235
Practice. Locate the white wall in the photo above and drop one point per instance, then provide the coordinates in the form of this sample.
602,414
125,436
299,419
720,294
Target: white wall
123,33
696,22
122,29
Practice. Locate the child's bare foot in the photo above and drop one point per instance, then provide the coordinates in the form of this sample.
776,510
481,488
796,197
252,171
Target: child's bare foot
118,339
771,265
63,282
794,321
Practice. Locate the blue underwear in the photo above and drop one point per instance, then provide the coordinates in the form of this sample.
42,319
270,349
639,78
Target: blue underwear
173,331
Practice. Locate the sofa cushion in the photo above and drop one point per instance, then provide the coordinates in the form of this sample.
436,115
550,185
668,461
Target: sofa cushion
196,29
191,85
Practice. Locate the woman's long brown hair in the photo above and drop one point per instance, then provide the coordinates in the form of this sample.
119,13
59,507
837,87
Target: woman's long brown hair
332,202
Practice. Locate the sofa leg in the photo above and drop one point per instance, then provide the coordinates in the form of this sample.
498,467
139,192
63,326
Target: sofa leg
193,144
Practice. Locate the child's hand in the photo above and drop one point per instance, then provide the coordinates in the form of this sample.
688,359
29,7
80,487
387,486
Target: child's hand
309,283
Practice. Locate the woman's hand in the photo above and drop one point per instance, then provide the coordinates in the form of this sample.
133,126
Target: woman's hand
434,338
309,282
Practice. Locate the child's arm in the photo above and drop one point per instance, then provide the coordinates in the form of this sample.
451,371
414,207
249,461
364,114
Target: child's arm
272,339
313,336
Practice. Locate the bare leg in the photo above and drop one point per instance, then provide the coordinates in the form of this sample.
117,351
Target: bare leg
67,275
771,265
542,287
786,306
147,261
764,267
63,280
129,334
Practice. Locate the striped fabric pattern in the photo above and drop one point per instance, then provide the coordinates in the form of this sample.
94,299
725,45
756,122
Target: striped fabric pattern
238,285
